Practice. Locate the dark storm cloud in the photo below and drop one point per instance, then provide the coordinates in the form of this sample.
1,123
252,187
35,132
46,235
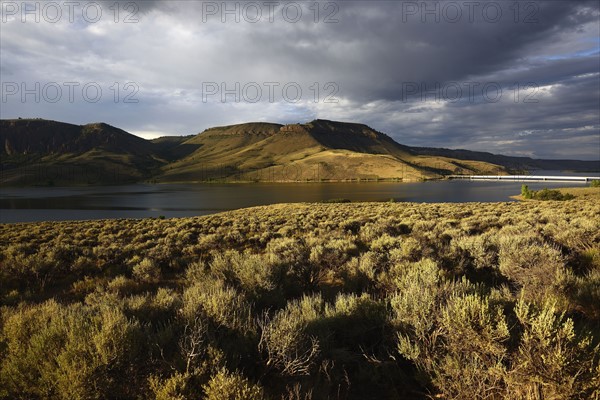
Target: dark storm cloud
375,54
388,53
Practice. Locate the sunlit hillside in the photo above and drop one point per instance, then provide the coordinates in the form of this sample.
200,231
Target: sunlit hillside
320,150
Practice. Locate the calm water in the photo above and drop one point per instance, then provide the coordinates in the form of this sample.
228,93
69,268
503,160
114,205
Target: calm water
140,201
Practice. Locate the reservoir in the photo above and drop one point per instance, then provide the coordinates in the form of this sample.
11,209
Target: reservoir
185,200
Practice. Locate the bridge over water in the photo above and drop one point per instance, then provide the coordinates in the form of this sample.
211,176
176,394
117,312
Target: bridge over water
526,178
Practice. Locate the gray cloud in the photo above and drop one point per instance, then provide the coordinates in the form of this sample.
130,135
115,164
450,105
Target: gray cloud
373,54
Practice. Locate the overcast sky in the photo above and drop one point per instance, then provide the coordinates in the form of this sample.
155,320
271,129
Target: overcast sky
516,78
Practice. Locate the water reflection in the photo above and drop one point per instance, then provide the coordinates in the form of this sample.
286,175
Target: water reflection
180,200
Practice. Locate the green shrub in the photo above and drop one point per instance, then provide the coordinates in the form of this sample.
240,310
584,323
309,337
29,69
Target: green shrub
332,254
291,257
253,274
359,274
284,340
232,386
146,271
545,194
551,194
171,388
586,294
416,298
98,355
536,267
552,361
336,201
287,251
122,285
473,334
70,352
595,183
457,342
222,305
32,338
352,319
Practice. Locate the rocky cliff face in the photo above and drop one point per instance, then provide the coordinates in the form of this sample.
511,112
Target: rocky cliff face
250,128
354,137
294,128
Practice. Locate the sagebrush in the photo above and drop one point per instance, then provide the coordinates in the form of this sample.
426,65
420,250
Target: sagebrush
301,301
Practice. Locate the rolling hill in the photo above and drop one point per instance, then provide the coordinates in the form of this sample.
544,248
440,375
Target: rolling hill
42,152
320,150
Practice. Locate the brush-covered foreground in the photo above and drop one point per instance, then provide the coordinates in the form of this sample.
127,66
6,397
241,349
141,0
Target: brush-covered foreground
361,300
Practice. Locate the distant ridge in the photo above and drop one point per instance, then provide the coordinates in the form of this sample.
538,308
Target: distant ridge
519,164
35,136
43,152
319,150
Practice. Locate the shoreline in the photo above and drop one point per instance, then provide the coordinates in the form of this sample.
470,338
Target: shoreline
516,201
